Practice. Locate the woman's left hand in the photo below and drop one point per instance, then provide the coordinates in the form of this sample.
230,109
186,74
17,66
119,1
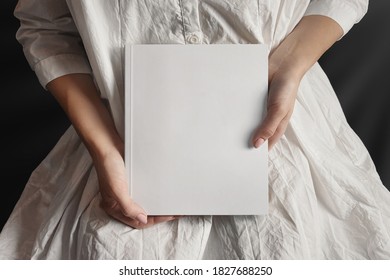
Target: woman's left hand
282,93
288,63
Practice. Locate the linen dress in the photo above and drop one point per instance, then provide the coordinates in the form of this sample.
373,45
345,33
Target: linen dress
326,198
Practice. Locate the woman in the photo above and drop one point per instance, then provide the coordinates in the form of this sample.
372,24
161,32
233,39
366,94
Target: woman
326,199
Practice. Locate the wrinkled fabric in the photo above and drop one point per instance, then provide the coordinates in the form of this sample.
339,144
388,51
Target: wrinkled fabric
326,198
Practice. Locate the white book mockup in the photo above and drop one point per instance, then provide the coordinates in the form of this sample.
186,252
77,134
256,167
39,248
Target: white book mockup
190,112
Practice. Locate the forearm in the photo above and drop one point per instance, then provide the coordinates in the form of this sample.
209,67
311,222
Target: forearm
304,46
77,95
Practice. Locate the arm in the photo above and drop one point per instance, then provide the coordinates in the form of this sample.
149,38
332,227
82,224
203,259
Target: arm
77,95
325,22
287,65
54,50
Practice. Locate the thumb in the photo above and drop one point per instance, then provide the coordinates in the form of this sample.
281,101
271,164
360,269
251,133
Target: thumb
131,209
268,127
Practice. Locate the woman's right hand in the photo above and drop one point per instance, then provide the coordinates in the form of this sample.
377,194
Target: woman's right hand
78,96
116,200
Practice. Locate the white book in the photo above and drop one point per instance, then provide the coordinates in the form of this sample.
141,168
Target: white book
190,112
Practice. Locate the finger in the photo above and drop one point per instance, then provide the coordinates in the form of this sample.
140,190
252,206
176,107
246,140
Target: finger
115,212
152,220
123,207
127,206
128,221
278,133
132,210
269,125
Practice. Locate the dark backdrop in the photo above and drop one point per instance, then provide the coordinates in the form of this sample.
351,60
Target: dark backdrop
358,67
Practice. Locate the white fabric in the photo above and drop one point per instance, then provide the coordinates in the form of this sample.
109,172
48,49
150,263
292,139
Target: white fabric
326,198
345,13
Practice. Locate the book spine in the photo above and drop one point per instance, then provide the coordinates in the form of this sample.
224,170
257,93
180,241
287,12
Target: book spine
128,112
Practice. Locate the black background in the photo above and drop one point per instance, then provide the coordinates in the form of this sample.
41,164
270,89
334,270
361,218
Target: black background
358,67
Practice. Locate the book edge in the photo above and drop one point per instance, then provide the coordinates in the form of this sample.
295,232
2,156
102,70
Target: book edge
128,113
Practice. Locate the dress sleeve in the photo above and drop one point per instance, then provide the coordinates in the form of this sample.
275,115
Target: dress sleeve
345,12
50,40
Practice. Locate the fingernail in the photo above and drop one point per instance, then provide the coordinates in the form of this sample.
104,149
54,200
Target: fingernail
259,142
142,218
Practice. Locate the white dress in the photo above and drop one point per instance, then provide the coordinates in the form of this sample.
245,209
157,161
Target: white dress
326,198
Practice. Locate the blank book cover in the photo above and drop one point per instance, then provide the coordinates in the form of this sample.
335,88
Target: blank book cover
190,111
